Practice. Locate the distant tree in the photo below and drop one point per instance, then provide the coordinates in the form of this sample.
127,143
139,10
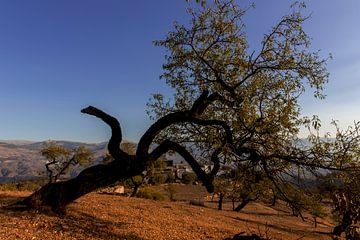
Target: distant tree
155,172
152,175
232,105
344,191
241,186
221,187
60,159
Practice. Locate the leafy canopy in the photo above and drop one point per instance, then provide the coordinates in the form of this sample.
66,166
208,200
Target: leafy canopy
254,122
259,88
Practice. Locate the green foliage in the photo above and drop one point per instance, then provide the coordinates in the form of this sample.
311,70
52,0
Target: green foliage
138,179
242,186
81,156
150,193
60,160
170,177
157,179
52,151
345,195
188,177
257,107
154,172
259,89
128,183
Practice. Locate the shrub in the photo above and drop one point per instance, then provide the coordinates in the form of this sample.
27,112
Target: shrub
188,177
149,193
157,179
170,177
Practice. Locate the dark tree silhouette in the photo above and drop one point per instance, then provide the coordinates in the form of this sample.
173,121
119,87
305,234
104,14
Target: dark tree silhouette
233,105
55,196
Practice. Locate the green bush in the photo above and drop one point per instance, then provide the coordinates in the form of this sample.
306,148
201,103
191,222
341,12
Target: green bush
170,177
188,177
149,193
157,179
128,183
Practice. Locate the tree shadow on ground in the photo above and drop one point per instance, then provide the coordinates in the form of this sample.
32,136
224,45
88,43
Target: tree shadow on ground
91,226
284,229
283,214
266,214
75,224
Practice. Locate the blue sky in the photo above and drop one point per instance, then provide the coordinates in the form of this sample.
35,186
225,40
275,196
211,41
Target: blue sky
57,57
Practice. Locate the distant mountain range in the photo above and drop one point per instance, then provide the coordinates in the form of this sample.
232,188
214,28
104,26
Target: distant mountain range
22,159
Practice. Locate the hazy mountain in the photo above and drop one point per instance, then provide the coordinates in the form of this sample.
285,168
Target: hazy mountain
22,159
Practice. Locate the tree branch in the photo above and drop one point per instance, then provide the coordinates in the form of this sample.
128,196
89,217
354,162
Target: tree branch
199,106
116,134
168,145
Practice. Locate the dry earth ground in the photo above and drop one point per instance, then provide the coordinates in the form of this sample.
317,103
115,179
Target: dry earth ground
100,216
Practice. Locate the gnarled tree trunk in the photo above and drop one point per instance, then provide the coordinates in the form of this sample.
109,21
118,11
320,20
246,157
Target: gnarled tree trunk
136,187
56,196
221,200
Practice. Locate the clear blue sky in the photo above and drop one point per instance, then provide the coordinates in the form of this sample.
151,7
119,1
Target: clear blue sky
57,57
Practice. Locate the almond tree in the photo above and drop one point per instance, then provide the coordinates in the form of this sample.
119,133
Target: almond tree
260,89
232,105
60,159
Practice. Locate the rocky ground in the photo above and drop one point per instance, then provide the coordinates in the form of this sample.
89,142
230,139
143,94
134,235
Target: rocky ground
101,216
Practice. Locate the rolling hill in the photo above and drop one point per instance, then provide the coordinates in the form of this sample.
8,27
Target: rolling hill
22,159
